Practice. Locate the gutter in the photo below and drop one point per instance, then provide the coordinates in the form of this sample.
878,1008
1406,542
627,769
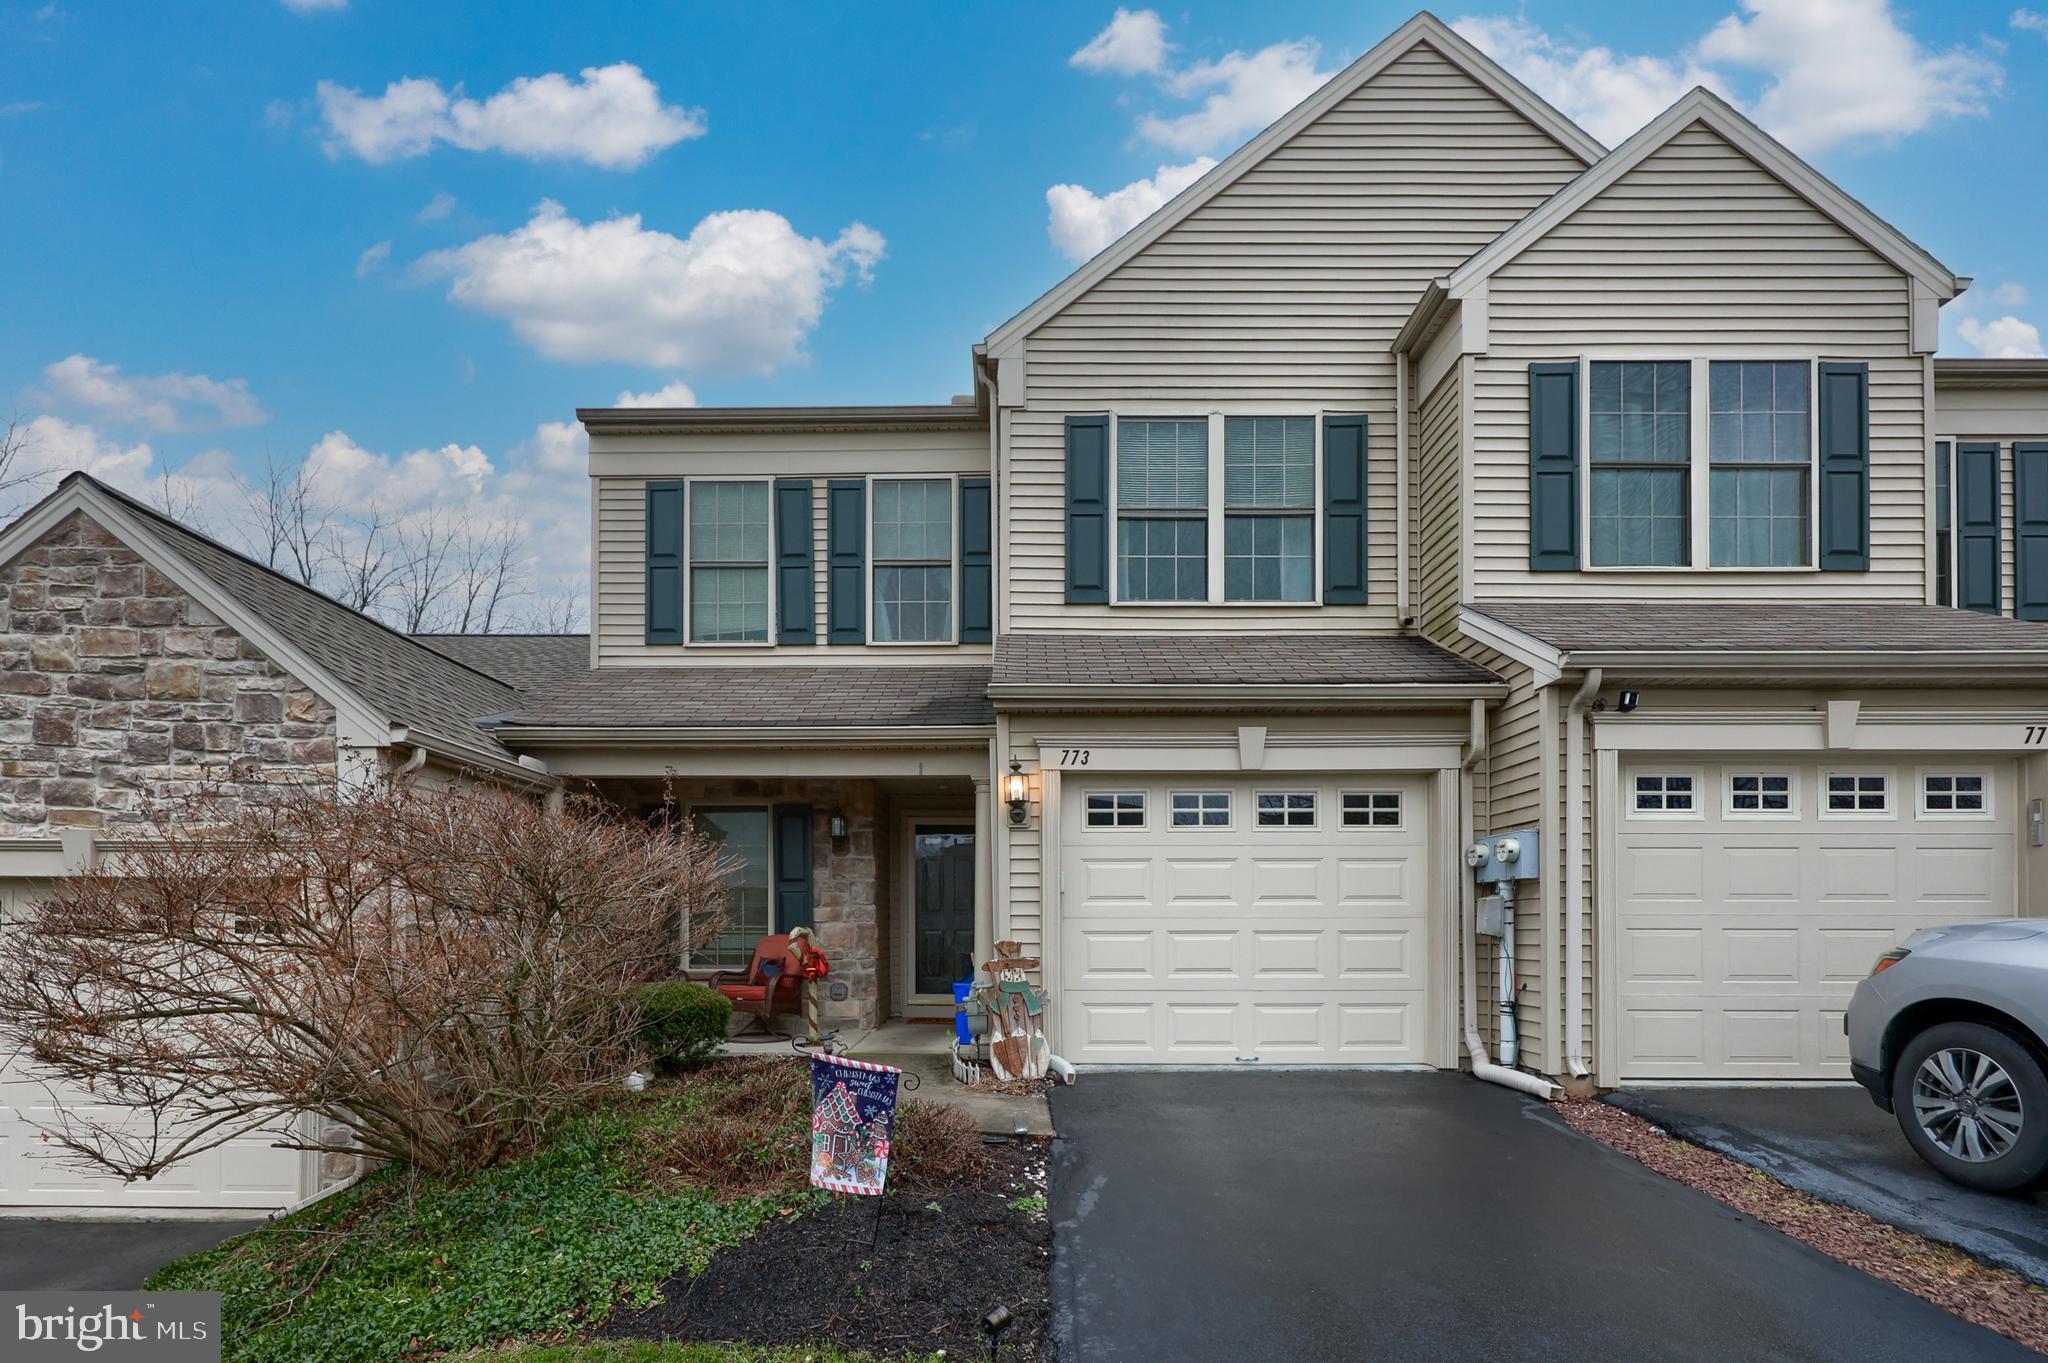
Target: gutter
1226,694
1468,907
946,416
867,735
1575,872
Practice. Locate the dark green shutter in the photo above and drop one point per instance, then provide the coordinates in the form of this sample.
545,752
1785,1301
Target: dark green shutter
796,610
1554,468
977,563
1087,510
665,563
1845,468
1344,462
793,906
1978,562
846,535
1944,545
2030,529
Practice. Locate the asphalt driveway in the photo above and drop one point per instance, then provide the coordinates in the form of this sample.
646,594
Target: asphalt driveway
1835,1143
99,1256
1307,1216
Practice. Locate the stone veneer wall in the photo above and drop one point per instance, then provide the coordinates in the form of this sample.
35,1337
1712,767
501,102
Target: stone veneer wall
845,876
120,694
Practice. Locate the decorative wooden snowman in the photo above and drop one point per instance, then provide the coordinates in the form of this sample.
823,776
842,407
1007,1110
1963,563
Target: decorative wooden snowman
1017,1048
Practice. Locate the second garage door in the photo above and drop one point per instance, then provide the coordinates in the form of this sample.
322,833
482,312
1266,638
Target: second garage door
1752,894
1220,922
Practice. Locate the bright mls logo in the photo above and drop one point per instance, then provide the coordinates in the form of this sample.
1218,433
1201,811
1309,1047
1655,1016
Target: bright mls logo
163,1327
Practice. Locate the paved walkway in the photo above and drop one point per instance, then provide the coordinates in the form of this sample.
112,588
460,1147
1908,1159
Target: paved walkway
1306,1216
99,1256
1835,1143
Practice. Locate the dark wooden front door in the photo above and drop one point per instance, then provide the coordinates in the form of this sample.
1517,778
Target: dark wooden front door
942,907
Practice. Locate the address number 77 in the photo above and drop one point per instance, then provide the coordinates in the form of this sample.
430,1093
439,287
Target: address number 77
2036,736
1074,757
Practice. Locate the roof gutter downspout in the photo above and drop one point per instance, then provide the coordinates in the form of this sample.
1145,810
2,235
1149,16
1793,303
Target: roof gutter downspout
1575,873
1468,950
1401,486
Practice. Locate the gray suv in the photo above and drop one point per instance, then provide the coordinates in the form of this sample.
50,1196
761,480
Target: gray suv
1950,1034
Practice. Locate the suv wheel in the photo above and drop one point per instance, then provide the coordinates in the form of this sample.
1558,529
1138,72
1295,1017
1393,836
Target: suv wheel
1973,1103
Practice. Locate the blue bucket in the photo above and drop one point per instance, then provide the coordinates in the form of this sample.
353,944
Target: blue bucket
962,991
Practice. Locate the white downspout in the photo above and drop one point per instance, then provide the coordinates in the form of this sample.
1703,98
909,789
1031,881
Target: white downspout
1575,873
1482,1066
1401,602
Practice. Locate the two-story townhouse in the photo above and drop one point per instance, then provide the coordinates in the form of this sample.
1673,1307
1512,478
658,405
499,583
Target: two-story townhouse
1426,470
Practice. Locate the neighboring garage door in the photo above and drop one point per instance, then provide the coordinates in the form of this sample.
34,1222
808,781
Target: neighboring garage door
1752,894
35,1173
1213,922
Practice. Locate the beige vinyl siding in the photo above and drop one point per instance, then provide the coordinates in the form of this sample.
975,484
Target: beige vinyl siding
2003,415
1440,495
1281,294
1697,250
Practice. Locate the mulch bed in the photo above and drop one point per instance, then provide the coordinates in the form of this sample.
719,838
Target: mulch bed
1995,1298
917,1280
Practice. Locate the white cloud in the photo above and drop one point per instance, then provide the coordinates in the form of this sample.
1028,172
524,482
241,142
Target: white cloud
158,402
612,116
53,447
2010,295
373,259
1244,93
2031,21
1134,44
676,394
738,295
1082,222
313,6
1607,94
562,446
438,207
2002,338
1834,72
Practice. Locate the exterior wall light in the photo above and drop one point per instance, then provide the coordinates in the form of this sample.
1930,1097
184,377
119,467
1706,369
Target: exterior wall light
1016,794
836,826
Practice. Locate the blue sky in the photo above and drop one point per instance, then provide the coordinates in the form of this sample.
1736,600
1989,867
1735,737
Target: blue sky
231,236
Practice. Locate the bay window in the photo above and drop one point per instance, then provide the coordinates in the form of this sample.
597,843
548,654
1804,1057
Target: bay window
913,560
728,541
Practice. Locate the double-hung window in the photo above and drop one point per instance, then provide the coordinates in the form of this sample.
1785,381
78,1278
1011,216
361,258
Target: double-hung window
1760,444
1162,503
743,835
1269,500
913,560
729,562
1640,446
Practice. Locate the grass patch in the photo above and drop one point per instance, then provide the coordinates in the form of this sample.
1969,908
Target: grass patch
636,1191
637,1351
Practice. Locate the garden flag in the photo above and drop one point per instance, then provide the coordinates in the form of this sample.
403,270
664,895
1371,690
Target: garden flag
853,1113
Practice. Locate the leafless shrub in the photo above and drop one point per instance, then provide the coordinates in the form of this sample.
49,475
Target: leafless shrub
423,976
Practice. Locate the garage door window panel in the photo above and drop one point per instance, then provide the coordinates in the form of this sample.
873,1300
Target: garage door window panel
1201,809
1286,809
1115,809
1953,794
1372,809
1664,795
1856,795
1756,794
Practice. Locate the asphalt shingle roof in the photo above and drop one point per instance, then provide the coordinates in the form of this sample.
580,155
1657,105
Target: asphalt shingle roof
525,662
1026,660
1738,626
406,681
772,697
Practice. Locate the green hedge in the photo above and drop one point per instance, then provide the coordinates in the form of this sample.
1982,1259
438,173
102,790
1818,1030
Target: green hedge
682,1023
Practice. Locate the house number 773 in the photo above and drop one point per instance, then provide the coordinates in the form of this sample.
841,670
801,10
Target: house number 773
1074,757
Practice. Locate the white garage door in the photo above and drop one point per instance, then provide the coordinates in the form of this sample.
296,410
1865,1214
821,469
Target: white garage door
37,1174
1214,922
1752,895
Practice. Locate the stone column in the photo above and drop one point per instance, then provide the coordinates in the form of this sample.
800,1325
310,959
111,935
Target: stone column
984,871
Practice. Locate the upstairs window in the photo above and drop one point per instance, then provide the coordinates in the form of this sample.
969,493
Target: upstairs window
1760,442
729,562
1269,498
913,560
1162,496
1639,447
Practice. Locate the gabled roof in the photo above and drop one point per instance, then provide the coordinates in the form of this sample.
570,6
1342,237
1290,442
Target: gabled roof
524,662
775,699
359,665
1703,107
1424,29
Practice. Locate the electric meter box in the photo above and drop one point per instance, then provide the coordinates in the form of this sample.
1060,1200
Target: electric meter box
1506,856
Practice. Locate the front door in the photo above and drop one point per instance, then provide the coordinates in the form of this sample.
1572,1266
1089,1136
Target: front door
942,907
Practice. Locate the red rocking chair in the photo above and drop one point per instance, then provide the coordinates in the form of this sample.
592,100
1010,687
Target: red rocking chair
771,982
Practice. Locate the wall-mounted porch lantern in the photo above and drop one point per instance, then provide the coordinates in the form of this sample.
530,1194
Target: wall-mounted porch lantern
836,826
1015,792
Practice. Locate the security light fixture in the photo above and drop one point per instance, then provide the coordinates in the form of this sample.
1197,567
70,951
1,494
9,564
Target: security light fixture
1015,792
1627,702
